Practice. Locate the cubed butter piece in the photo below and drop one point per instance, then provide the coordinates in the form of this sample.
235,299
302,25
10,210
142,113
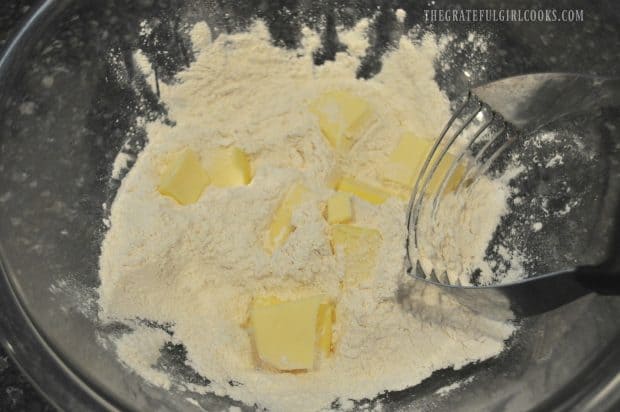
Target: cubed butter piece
342,116
229,167
360,246
339,208
288,336
281,226
184,179
362,190
325,323
405,164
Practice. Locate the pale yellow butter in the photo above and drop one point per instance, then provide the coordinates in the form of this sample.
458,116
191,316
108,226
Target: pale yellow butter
360,246
362,190
339,208
288,336
184,179
229,167
342,117
281,226
325,322
406,161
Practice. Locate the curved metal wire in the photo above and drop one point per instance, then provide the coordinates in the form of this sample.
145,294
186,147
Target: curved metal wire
431,164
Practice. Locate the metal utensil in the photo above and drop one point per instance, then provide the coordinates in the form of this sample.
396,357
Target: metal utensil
491,118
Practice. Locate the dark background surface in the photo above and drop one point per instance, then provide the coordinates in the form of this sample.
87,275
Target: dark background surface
16,394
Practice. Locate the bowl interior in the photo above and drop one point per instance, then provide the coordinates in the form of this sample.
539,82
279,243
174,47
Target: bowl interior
71,97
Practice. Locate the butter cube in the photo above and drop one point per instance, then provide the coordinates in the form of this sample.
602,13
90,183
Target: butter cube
184,179
405,164
360,246
288,336
341,117
325,322
229,167
339,208
281,226
362,190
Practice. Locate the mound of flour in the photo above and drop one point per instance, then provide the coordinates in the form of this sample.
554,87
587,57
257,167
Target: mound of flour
196,268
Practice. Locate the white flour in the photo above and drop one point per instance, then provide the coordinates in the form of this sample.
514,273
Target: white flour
197,267
454,242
